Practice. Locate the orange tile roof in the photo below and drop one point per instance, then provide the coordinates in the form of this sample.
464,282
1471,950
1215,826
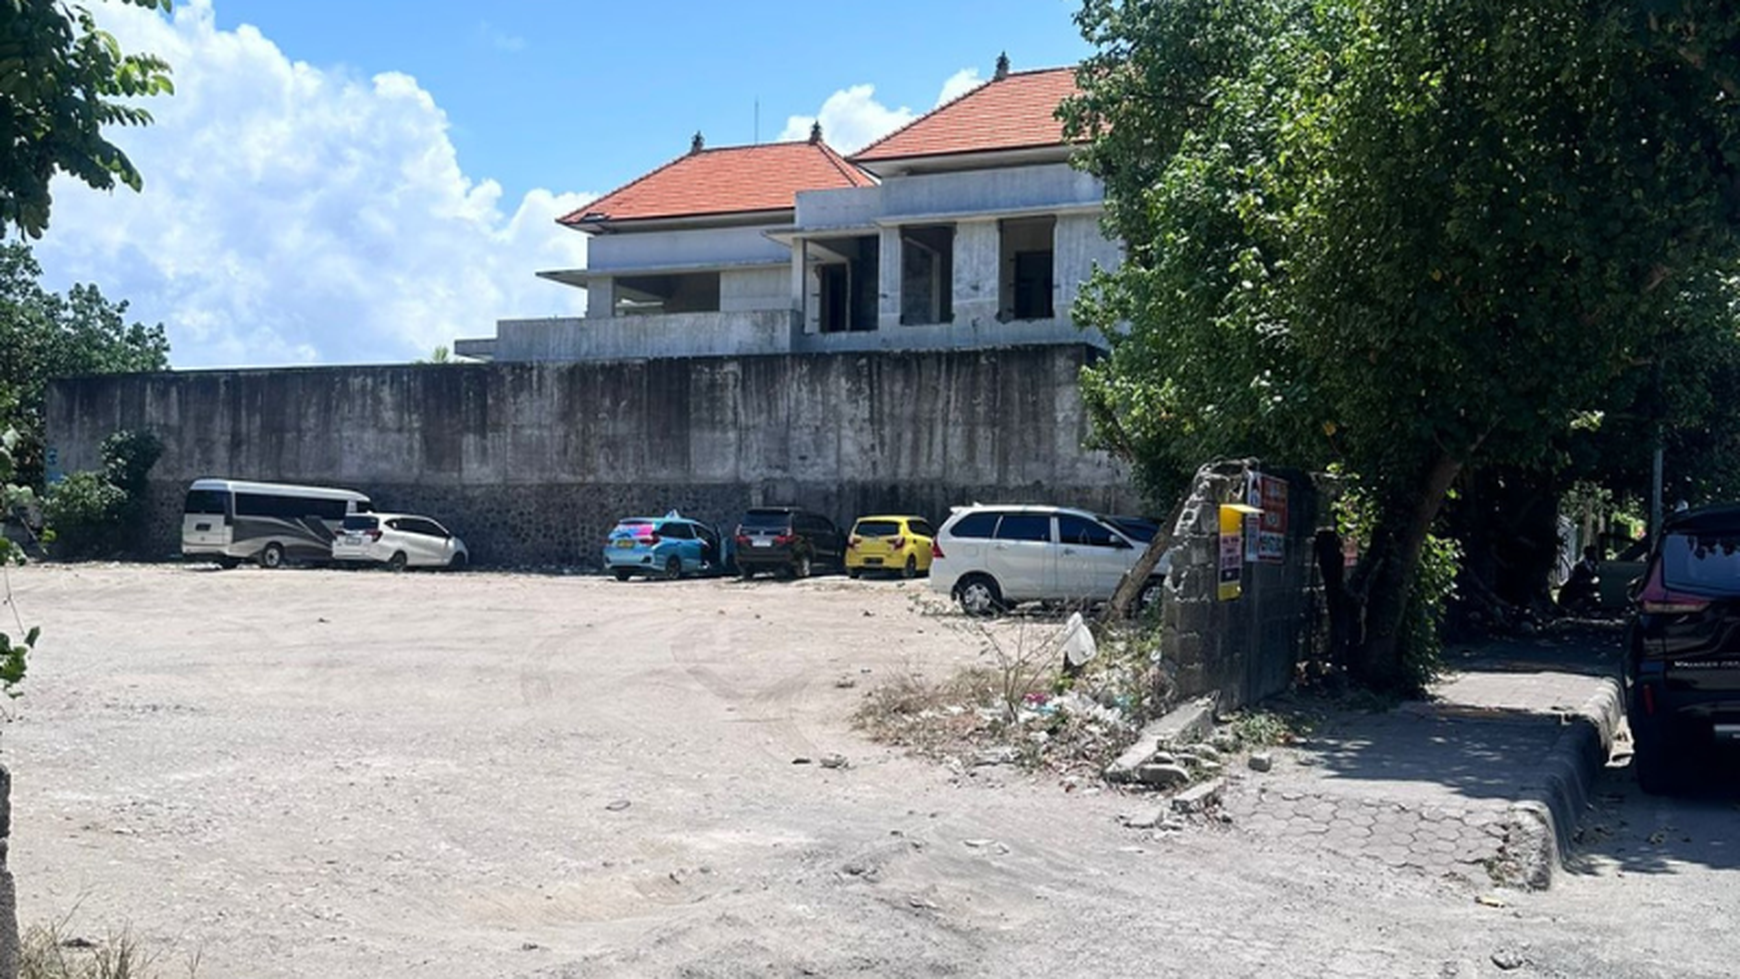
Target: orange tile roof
1017,111
727,180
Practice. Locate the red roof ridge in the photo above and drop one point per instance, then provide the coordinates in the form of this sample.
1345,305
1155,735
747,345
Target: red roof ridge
969,93
849,172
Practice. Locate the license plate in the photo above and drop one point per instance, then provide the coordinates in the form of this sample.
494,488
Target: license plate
761,543
625,544
353,539
872,560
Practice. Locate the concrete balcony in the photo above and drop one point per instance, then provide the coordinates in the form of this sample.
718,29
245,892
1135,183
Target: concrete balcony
650,337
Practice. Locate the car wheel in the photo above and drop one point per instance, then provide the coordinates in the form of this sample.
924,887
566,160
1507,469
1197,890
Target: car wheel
227,563
272,556
673,569
910,568
1148,599
979,595
854,572
397,562
744,574
458,562
621,574
800,566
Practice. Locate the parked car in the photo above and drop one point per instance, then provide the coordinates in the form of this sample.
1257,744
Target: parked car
900,544
670,546
397,540
990,558
787,540
1683,663
1619,572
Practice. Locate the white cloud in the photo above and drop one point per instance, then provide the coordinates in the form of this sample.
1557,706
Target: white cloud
852,118
959,84
499,39
294,214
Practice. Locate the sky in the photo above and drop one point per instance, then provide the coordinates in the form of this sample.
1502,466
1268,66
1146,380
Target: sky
342,182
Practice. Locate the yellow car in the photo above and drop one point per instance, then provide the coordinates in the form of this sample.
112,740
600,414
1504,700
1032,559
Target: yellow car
897,544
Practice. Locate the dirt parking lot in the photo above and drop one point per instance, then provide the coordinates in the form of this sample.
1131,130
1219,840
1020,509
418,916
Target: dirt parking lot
327,773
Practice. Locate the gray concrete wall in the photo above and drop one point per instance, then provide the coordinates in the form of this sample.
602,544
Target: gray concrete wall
532,463
1244,649
663,249
640,337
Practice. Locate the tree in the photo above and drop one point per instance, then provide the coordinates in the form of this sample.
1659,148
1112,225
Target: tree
61,82
1412,239
45,335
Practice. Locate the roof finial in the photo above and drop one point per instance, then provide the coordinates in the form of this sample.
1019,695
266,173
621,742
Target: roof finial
1002,67
815,132
697,144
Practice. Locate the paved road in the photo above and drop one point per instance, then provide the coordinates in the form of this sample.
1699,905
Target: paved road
352,774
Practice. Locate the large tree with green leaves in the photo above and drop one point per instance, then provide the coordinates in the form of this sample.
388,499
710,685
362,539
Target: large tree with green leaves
62,80
44,335
1411,239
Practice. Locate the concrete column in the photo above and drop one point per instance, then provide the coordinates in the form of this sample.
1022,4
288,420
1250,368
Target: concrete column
976,266
601,299
888,280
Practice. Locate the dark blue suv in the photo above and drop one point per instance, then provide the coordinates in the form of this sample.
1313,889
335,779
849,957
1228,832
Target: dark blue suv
1683,659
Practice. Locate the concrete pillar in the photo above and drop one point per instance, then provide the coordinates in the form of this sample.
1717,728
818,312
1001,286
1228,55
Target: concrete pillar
888,280
9,947
977,252
601,299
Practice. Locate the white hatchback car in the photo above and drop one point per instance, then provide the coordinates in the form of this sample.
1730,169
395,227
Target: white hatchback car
399,541
989,558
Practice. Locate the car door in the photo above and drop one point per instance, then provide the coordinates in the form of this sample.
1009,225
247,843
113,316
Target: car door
1091,558
1022,557
421,543
684,543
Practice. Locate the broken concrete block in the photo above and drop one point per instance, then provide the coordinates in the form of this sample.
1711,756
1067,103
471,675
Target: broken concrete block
1262,761
1199,797
1162,776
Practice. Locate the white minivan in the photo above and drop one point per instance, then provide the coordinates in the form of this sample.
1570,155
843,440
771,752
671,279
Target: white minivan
989,558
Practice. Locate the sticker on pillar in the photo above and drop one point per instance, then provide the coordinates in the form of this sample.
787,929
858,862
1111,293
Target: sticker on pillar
1272,523
1253,513
1232,550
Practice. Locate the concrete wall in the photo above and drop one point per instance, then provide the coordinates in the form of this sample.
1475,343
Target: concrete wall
532,463
1245,649
641,337
663,249
754,289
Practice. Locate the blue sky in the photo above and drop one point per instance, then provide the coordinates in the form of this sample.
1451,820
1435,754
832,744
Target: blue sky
345,182
578,96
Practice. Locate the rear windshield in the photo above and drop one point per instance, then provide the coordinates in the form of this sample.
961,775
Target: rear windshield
877,528
355,522
206,501
1703,563
633,528
767,519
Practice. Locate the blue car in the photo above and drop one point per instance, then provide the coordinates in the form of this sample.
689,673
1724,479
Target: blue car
670,546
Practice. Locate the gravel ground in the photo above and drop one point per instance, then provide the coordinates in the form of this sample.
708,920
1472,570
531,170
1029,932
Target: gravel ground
325,773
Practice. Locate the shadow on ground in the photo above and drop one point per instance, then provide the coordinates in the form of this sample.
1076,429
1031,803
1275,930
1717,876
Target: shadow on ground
1487,730
1634,833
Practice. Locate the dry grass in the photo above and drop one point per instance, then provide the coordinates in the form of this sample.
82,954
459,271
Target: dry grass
49,952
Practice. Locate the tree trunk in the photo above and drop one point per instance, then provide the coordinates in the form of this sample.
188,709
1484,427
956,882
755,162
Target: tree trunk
1130,588
1387,574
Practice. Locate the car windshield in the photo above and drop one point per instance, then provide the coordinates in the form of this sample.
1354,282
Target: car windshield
877,528
767,520
1702,563
359,522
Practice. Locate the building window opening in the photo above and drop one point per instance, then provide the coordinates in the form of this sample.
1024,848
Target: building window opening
651,295
927,275
846,283
1027,280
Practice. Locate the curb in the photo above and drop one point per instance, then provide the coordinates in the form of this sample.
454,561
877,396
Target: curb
1540,824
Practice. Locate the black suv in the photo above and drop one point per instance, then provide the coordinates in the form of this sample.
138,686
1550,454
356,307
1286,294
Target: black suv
1683,659
787,540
